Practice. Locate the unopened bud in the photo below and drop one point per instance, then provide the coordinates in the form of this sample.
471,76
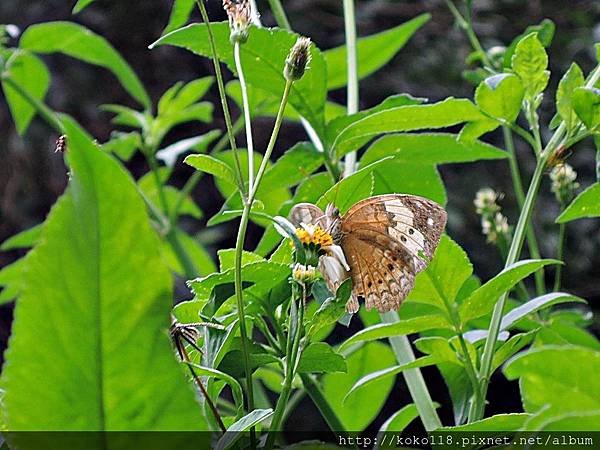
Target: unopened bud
297,60
305,274
239,13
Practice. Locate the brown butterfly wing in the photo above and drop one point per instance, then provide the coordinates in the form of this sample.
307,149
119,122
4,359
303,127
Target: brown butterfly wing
387,240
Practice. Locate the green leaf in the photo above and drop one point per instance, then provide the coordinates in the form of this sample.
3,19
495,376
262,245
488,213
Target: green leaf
198,254
586,204
430,148
212,165
87,46
389,372
263,58
443,278
501,96
398,421
474,130
401,328
332,309
538,303
124,145
499,422
360,410
570,81
562,333
24,239
180,14
545,32
373,52
416,179
180,96
510,347
530,62
586,103
96,289
31,74
564,378
235,386
233,433
81,5
11,280
319,357
482,301
446,113
128,117
573,421
292,167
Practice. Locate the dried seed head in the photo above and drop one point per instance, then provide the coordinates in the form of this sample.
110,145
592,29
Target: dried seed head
239,13
297,60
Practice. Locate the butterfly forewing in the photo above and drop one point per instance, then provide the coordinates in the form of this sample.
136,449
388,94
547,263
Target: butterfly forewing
387,240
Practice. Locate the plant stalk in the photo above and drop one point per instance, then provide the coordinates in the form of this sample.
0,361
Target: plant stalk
352,63
223,96
315,394
247,120
413,377
562,236
279,14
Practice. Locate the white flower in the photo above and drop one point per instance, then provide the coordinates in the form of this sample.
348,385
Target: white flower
485,201
563,182
304,274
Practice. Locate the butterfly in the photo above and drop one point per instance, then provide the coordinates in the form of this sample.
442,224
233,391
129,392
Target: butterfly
386,239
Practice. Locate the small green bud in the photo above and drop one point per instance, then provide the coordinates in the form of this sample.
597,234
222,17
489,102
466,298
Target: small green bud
297,60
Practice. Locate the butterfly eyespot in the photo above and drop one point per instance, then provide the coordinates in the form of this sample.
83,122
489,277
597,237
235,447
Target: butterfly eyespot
390,266
380,281
369,284
403,239
411,231
394,258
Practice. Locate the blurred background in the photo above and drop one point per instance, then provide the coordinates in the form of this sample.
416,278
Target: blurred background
32,176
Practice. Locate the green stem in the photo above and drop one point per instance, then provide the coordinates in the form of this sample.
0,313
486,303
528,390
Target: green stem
467,25
352,65
279,14
532,244
471,373
318,398
414,378
562,228
223,96
46,113
246,108
239,246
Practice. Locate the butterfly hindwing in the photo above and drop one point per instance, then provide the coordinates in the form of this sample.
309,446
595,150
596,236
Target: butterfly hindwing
307,213
387,240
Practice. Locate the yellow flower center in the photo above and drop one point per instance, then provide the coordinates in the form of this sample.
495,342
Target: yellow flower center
316,236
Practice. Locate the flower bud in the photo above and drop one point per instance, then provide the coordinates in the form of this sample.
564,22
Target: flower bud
485,201
304,274
239,13
563,182
297,60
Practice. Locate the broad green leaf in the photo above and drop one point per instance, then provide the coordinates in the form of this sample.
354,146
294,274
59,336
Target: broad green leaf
416,179
227,258
565,378
319,357
263,58
586,103
96,289
482,301
233,433
11,280
437,346
373,52
180,96
499,422
24,239
171,153
81,5
212,165
389,372
530,62
292,167
87,46
398,421
545,32
585,421
570,81
473,130
538,303
401,328
180,14
360,410
429,148
586,204
438,285
562,333
337,125
332,309
31,74
501,96
446,113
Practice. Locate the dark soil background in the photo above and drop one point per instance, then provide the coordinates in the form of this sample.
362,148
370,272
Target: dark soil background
32,176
